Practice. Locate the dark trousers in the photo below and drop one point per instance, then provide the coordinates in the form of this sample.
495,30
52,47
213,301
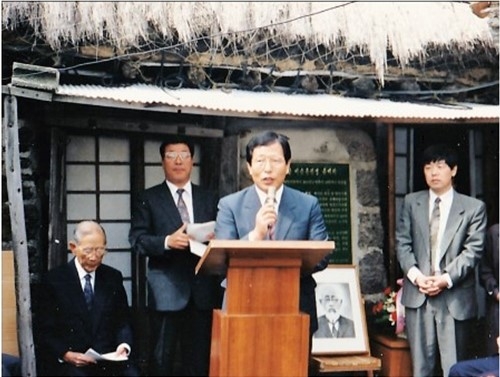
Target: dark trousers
486,366
189,331
492,327
11,365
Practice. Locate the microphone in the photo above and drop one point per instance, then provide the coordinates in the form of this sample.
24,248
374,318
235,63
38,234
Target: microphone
271,195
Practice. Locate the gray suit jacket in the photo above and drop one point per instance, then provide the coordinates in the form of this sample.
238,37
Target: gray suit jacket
299,218
462,248
171,278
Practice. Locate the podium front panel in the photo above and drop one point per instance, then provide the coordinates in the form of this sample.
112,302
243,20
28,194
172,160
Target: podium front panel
259,345
263,286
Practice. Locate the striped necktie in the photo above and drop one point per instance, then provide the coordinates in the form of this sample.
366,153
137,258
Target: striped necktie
181,205
88,292
433,231
335,330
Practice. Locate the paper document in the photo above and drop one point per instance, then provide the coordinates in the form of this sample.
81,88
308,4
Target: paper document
199,234
197,248
111,356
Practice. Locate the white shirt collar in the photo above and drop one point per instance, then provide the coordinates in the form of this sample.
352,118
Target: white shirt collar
446,198
82,272
263,196
336,318
173,189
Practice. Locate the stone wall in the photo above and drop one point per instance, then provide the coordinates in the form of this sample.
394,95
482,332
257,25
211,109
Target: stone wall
34,156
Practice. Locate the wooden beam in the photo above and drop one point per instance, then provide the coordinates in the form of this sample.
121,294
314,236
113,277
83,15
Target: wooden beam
19,239
391,205
58,243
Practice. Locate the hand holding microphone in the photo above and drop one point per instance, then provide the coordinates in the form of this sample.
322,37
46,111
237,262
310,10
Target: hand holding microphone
265,217
271,196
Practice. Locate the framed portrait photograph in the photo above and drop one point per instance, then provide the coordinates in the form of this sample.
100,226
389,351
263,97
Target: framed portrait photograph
341,314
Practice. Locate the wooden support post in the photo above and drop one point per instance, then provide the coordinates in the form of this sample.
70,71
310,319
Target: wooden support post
19,239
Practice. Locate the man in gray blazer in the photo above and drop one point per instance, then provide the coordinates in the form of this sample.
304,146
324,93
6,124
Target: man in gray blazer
292,215
180,302
438,263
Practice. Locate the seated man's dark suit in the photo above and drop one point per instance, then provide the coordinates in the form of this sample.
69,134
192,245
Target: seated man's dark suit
65,323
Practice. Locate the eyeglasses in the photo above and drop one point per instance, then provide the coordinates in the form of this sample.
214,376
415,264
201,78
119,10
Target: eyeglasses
260,162
100,250
174,155
331,299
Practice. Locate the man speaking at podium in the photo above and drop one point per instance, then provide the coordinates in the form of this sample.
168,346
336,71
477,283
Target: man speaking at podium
271,210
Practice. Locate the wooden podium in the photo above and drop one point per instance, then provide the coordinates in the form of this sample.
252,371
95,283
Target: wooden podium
261,331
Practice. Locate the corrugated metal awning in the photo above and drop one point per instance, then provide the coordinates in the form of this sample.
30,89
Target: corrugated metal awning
247,103
240,103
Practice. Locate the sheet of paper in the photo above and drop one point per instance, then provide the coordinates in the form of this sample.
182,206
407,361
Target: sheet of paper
201,232
197,248
111,356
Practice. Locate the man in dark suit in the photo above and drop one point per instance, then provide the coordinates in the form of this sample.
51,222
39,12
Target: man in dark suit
488,277
75,316
245,215
332,324
439,242
180,302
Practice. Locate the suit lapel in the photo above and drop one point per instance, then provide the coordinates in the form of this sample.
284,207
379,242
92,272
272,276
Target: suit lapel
422,216
455,218
166,201
251,204
76,291
99,299
286,215
199,204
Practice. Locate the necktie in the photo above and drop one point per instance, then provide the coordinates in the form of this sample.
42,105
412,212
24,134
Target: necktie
181,205
433,231
271,230
87,291
335,330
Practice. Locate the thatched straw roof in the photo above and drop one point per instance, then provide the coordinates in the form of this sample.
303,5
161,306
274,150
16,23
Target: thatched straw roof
305,36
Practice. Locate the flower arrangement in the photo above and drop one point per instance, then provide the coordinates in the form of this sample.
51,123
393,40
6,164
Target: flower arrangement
384,311
389,312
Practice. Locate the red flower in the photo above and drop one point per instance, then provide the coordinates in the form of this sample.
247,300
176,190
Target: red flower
378,307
